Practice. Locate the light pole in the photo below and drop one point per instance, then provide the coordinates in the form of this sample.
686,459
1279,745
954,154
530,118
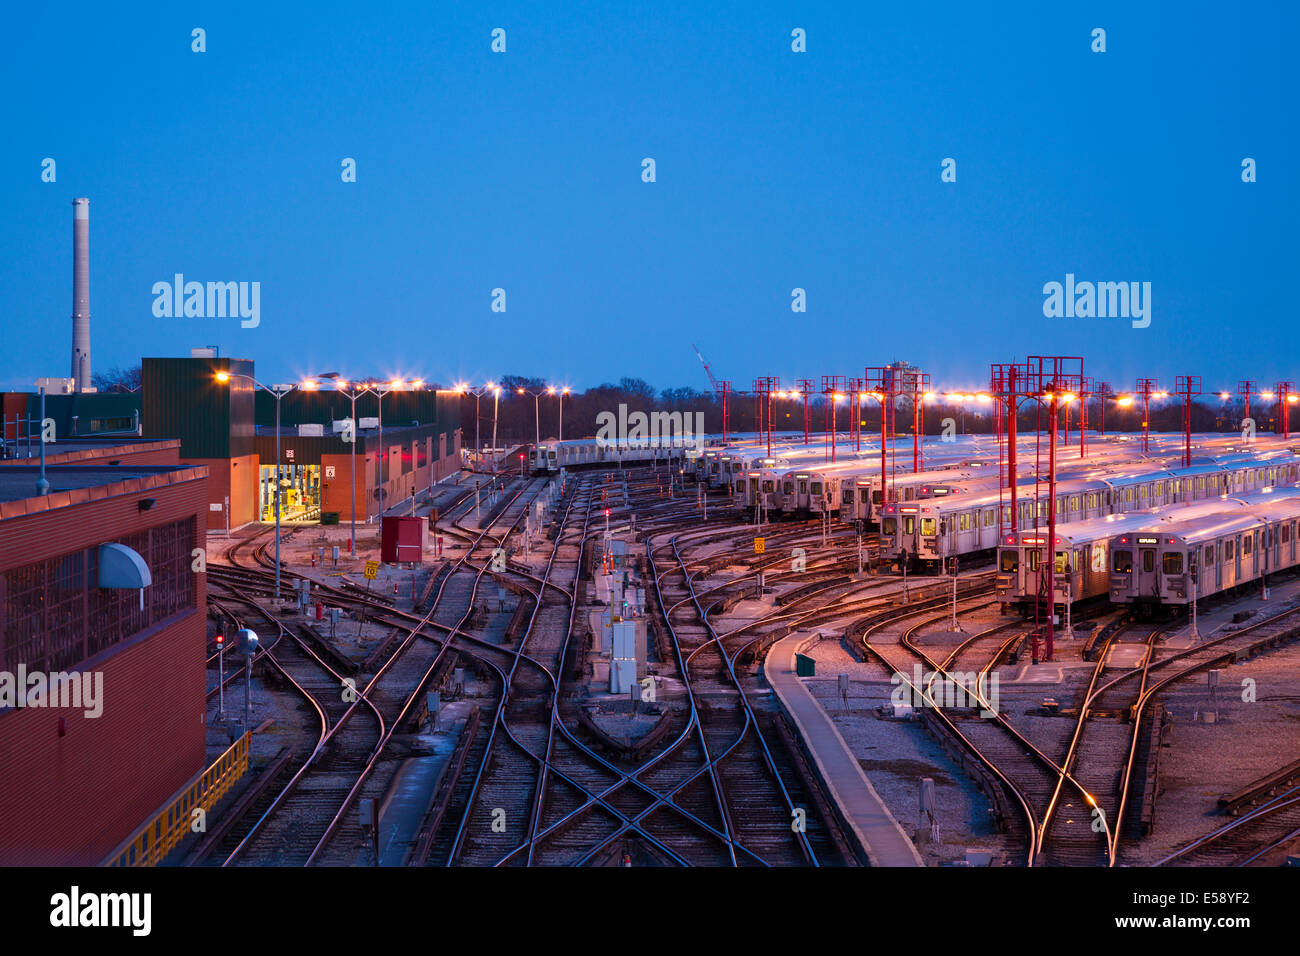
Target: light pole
279,391
537,411
559,394
342,386
496,400
478,393
379,392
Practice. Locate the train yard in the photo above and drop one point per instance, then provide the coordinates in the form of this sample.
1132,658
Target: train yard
458,713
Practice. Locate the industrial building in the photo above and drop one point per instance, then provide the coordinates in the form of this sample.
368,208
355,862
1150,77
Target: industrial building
97,583
405,441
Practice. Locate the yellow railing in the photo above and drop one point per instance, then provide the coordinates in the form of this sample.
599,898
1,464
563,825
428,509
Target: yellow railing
153,841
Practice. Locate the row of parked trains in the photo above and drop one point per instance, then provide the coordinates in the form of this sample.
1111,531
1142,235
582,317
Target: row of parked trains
1136,527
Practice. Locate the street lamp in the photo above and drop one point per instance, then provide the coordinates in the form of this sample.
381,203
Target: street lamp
496,399
559,394
537,411
279,391
379,391
342,386
464,389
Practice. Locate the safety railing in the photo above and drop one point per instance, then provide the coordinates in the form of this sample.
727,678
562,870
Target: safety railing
150,845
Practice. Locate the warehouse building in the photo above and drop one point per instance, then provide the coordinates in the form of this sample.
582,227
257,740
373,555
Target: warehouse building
97,583
405,442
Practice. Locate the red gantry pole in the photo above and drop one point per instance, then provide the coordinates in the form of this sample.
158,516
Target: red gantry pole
805,389
832,387
1282,413
1187,386
1145,386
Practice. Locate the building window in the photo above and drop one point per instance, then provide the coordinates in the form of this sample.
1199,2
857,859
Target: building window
54,615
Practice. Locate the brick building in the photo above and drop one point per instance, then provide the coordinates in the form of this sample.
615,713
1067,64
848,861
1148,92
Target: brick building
79,776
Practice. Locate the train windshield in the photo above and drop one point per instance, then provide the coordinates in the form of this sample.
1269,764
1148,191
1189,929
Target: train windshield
1010,560
1060,562
889,526
1173,562
788,487
927,527
817,487
768,485
1123,563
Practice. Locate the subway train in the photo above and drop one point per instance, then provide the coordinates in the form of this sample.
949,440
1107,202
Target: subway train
1082,552
1168,565
931,532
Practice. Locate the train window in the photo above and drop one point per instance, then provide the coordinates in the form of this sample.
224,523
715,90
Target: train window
1010,560
803,487
767,486
1286,533
1006,514
875,497
1173,562
1245,544
927,526
864,494
889,526
909,494
1074,502
1229,549
1060,562
1209,555
909,525
1123,563
847,497
988,517
1128,494
816,488
1148,560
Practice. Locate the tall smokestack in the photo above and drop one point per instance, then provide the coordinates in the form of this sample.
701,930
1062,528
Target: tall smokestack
81,294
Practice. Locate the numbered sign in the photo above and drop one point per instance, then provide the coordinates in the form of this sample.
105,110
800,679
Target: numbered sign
760,545
372,570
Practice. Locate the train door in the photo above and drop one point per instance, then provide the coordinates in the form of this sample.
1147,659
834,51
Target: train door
1147,582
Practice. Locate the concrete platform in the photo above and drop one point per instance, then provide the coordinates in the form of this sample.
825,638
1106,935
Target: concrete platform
870,822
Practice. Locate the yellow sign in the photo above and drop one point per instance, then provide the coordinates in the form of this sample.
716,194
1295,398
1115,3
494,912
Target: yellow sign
372,570
760,545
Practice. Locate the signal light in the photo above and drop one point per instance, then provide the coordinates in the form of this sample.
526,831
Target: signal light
221,639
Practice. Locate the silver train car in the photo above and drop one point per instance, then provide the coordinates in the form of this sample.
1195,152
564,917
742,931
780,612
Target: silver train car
543,460
930,532
1081,553
1169,566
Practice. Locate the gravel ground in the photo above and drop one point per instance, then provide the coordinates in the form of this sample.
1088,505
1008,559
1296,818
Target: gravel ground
1204,760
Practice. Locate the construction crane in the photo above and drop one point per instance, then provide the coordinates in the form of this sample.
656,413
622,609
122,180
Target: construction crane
707,371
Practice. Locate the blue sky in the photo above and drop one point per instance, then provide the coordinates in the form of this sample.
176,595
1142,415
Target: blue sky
775,170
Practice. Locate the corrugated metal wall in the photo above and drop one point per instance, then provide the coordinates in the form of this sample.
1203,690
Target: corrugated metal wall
183,399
